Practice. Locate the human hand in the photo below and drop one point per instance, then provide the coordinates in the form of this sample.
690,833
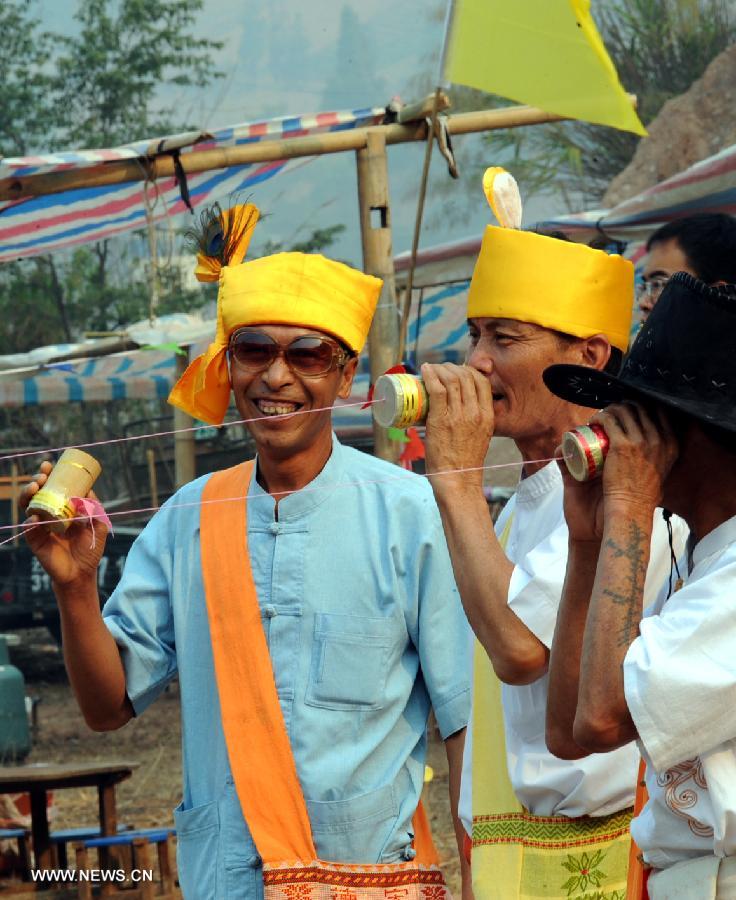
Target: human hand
459,425
582,504
69,558
642,449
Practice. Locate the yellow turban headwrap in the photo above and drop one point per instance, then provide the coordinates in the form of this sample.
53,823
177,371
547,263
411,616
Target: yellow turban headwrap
284,289
557,284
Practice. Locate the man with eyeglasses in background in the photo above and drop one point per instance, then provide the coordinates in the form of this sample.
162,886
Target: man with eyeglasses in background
348,571
703,245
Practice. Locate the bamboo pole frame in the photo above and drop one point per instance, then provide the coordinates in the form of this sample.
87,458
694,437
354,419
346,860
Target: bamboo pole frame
369,143
375,232
185,457
120,172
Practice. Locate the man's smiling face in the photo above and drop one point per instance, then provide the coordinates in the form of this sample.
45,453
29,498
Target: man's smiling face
267,395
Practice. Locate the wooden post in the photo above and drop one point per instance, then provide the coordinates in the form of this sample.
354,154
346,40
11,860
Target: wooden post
14,498
184,453
375,230
108,856
152,477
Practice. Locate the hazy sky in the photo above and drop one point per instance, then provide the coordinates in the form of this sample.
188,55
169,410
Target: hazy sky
290,57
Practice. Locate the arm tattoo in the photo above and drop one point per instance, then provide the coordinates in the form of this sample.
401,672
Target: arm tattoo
628,597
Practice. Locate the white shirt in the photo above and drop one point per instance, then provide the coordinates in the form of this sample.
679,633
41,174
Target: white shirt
680,684
597,785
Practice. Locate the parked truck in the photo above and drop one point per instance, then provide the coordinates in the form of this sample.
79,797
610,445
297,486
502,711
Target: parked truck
26,598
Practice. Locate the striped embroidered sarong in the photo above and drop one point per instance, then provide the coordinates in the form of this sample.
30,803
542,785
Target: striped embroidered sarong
553,857
518,856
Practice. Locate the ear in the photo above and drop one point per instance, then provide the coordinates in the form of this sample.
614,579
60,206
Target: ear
595,351
346,378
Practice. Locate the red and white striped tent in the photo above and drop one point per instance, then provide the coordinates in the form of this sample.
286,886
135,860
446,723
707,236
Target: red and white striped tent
706,186
59,221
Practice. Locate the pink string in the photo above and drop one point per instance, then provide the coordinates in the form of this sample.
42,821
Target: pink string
306,490
155,434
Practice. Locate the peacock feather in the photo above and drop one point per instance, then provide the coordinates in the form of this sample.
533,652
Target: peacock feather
222,237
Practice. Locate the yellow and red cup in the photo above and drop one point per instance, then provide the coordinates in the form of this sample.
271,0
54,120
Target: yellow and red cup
584,450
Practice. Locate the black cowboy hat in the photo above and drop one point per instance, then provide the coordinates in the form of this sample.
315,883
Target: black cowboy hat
684,357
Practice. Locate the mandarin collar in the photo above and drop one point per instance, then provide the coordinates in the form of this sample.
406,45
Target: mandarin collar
301,503
542,482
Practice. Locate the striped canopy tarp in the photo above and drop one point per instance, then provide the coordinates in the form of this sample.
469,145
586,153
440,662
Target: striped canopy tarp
436,333
135,374
58,221
437,326
706,186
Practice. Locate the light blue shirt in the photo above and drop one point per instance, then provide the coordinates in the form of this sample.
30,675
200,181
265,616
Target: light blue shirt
366,631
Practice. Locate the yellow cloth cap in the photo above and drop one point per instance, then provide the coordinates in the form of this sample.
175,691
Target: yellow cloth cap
285,289
557,284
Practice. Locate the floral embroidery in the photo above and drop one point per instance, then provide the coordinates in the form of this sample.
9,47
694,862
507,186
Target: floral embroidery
297,891
601,895
585,872
434,892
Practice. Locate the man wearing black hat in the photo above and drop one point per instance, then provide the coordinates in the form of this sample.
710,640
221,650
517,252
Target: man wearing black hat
667,679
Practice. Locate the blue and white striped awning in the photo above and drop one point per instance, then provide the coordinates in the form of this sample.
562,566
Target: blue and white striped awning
150,374
135,374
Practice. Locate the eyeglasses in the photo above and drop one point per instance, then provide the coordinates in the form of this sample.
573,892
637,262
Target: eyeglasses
307,356
651,289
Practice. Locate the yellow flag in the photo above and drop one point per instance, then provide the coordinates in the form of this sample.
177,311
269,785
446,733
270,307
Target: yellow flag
546,53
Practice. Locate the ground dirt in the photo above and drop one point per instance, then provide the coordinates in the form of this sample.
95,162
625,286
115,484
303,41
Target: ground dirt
153,742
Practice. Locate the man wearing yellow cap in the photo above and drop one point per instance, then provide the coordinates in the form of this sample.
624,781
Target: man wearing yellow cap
306,604
540,826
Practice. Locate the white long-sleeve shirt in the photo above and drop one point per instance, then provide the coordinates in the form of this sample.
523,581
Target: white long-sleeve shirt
599,784
680,684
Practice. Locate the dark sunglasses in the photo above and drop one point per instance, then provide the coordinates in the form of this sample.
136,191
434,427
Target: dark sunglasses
308,356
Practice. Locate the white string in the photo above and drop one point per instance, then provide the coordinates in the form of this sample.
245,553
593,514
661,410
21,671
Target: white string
154,434
25,526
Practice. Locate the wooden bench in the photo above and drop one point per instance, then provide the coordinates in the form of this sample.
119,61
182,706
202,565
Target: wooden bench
20,835
59,839
140,842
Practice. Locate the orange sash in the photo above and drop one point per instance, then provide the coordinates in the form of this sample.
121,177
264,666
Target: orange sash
254,728
636,885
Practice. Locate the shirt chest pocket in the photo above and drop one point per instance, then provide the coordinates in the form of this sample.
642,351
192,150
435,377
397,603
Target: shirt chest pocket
350,662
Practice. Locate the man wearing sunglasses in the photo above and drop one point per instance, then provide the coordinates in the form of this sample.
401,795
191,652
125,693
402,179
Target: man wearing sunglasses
348,571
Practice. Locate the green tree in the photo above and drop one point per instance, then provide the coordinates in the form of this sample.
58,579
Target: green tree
98,88
109,74
49,300
27,110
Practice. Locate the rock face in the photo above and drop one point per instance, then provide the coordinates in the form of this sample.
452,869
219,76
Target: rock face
687,129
